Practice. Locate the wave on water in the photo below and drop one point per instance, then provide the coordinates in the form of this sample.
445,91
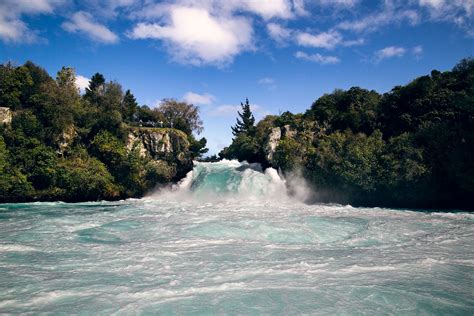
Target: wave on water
234,180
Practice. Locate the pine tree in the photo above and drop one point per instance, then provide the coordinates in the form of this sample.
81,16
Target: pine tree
246,122
96,88
129,106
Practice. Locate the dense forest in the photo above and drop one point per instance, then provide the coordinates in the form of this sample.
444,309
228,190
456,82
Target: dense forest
410,147
56,144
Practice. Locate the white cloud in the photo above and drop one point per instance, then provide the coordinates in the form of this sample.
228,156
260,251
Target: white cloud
109,8
82,83
356,42
84,23
418,51
389,52
278,32
228,110
326,40
299,7
30,6
266,8
458,12
432,3
196,98
375,21
318,58
266,80
12,28
225,110
194,36
342,3
270,83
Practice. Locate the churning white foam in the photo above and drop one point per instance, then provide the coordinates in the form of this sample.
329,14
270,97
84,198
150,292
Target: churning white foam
233,180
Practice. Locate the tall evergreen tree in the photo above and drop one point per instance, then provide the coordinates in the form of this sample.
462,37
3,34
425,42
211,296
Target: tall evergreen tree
246,122
129,106
96,88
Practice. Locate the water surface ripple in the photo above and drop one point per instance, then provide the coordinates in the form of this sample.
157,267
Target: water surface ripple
182,256
178,257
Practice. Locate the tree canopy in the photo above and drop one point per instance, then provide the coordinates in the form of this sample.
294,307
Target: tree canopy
410,147
64,145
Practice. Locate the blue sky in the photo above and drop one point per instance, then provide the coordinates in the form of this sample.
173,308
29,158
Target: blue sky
281,54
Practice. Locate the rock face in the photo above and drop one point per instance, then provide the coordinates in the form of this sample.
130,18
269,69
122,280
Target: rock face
162,144
5,116
276,134
66,138
272,143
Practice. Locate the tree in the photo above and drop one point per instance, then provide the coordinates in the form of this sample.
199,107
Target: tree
129,106
181,115
13,82
355,109
246,122
96,88
40,78
197,147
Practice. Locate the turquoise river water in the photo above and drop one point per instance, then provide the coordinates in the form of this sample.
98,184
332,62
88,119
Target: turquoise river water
229,240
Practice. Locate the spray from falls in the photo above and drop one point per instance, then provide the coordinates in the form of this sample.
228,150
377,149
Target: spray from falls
234,180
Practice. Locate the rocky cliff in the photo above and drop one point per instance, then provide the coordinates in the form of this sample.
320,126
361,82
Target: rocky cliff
273,140
164,145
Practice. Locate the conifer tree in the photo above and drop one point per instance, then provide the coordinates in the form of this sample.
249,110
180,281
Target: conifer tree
246,122
96,88
129,106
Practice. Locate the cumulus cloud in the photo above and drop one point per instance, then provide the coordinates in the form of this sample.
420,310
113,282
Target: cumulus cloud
83,22
12,28
389,52
317,58
82,83
326,40
196,98
194,36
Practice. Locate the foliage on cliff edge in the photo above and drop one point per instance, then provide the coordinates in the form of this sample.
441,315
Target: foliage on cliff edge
410,147
62,145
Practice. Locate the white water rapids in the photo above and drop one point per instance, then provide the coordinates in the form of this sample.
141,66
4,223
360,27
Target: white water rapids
229,240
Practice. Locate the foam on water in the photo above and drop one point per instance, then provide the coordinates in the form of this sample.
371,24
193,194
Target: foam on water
230,240
228,180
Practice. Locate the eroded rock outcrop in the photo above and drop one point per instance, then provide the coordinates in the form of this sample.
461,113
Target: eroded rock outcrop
66,138
5,116
162,144
274,138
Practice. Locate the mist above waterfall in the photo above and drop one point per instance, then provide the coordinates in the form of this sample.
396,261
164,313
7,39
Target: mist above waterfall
234,180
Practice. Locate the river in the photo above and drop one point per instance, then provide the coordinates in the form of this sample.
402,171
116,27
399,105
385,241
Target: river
229,240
